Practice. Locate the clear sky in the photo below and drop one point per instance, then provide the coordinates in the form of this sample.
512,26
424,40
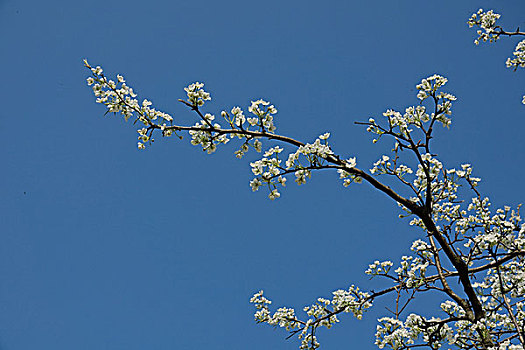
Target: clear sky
103,246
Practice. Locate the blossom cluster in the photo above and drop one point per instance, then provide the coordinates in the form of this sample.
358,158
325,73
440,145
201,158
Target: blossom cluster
205,137
401,125
322,313
487,23
209,135
264,112
379,268
118,97
346,175
519,56
433,167
491,32
385,165
196,95
397,334
270,171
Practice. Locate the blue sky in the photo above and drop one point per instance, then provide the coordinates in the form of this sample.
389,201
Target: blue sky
104,246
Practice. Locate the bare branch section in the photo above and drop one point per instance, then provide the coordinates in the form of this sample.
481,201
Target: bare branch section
473,257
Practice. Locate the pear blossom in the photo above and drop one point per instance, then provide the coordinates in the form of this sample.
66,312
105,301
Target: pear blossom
470,255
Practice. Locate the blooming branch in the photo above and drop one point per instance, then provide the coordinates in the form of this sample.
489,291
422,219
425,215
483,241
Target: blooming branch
461,240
